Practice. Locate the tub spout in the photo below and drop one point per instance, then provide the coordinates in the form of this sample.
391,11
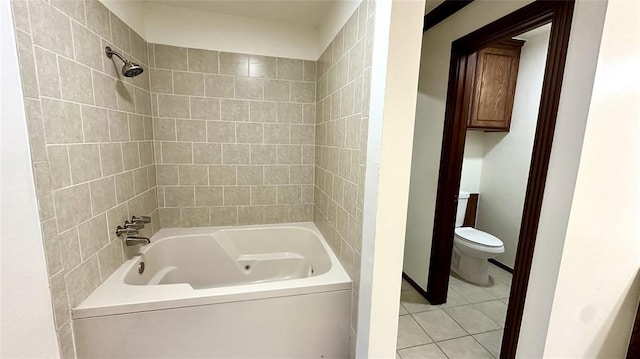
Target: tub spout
132,241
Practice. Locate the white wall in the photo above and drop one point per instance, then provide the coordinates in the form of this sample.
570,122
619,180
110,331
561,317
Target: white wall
598,284
505,167
396,58
170,25
26,316
427,140
472,161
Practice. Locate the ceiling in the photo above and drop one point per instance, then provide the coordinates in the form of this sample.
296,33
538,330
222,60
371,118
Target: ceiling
310,13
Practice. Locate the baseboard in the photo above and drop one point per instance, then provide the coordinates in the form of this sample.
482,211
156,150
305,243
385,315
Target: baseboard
501,265
414,285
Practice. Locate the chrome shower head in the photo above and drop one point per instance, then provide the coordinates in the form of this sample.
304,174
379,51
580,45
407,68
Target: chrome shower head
129,69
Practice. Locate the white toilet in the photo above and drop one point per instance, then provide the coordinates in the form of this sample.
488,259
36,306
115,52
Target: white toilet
472,248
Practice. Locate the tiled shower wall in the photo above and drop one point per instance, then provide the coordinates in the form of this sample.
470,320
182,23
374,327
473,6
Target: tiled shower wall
91,141
344,84
234,137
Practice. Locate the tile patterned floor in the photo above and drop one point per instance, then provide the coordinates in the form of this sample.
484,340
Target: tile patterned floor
469,325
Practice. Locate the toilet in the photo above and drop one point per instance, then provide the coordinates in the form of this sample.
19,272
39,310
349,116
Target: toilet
472,248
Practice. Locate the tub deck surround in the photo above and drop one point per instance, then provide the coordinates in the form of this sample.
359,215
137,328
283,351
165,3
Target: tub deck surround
208,265
197,297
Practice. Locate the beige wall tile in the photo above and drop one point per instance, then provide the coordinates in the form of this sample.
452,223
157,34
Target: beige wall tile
219,86
140,180
303,92
263,154
276,175
103,194
208,196
301,175
234,110
62,121
237,195
121,35
205,108
73,205
130,155
289,154
224,216
164,129
98,18
309,71
111,158
44,18
167,174
301,212
95,124
250,215
276,133
170,57
356,60
27,64
191,130
125,96
277,214
261,195
124,187
179,196
47,70
138,47
234,64
250,175
21,15
70,248
146,153
51,246
169,217
136,127
203,61
302,134
193,175
207,153
36,130
173,106
221,132
289,113
43,190
110,258
143,102
262,66
235,154
118,125
87,45
188,83
248,88
263,111
222,175
161,81
249,132
195,217
176,152
75,81
59,299
82,280
277,90
288,194
84,162
290,69
93,235
105,88
59,166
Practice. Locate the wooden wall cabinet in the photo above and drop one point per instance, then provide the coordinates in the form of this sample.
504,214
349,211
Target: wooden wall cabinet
492,73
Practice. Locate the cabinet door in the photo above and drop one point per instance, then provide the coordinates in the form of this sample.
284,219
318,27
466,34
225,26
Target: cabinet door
494,86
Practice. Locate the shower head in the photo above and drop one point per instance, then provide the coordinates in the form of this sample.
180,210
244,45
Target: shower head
129,69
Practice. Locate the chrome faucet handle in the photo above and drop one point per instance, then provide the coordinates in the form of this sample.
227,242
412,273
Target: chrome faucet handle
127,231
134,225
141,219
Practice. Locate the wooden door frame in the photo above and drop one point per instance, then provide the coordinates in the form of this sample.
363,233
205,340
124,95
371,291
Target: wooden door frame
539,13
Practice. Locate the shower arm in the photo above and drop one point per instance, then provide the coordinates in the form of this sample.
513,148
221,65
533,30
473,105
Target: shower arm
110,52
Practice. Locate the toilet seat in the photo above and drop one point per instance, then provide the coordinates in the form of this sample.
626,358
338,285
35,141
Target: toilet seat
479,238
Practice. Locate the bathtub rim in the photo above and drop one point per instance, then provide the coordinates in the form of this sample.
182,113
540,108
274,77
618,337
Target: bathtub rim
114,296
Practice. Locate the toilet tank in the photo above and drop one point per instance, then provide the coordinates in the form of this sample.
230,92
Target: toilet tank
463,198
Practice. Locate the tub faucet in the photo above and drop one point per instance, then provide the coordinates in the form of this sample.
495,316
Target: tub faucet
133,240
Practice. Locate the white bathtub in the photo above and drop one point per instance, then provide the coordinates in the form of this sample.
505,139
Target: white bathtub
269,291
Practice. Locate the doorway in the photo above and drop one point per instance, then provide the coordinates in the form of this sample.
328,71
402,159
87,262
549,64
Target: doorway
525,19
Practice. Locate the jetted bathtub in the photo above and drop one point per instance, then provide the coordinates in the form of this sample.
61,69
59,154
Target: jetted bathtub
269,291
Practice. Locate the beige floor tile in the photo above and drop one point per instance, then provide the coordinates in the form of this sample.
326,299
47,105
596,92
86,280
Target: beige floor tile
500,275
406,285
439,325
429,351
465,347
403,311
472,319
472,293
410,333
492,341
414,302
499,290
495,309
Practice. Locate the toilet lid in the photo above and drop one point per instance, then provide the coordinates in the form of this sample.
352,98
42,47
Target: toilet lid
479,237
